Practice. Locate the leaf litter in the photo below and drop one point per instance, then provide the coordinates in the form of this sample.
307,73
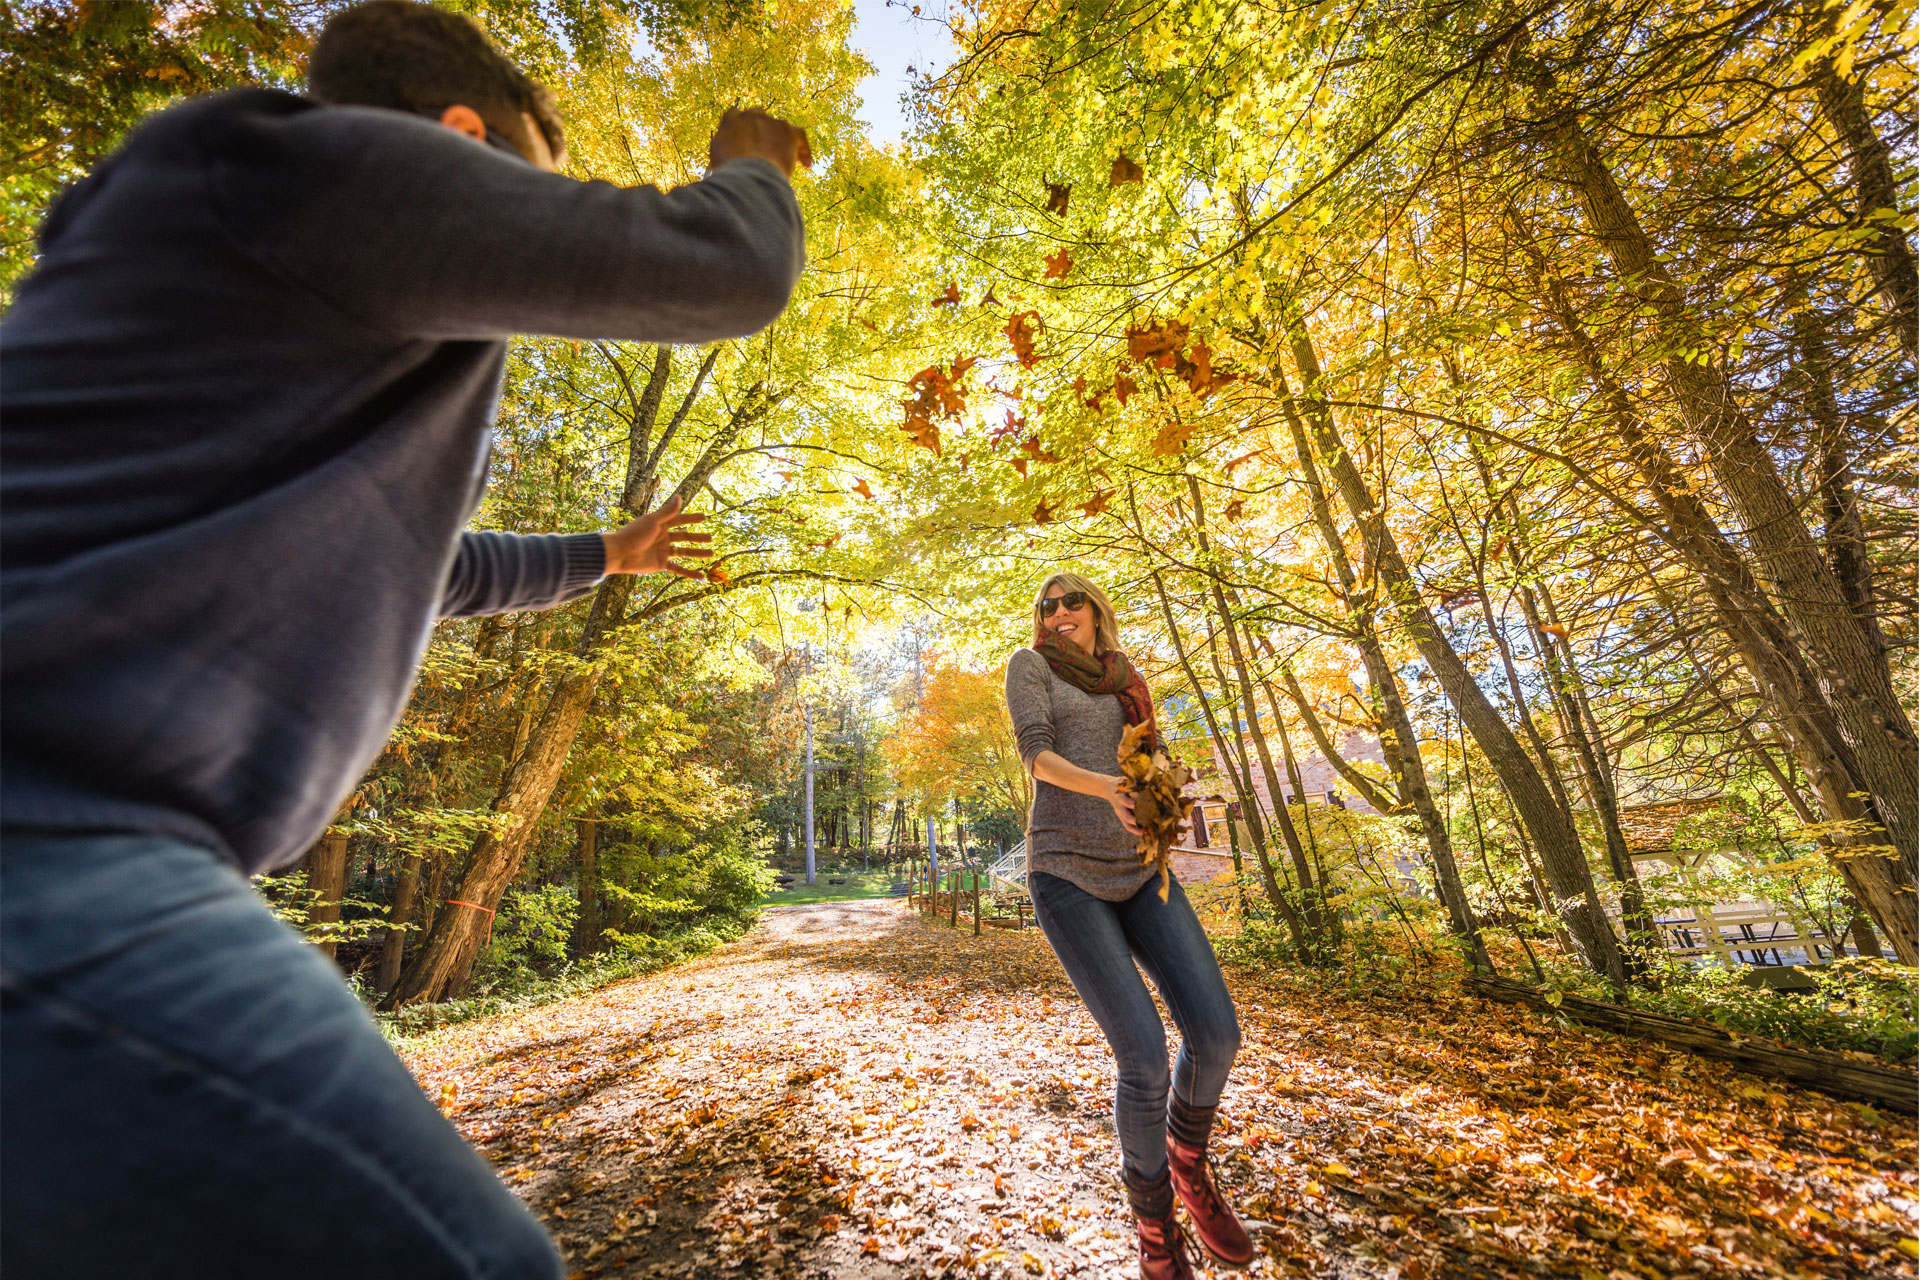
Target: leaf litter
851,1091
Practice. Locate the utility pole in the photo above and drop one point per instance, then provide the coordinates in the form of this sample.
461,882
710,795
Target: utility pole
809,792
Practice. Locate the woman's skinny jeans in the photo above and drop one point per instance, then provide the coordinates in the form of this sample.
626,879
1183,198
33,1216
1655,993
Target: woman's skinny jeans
1097,942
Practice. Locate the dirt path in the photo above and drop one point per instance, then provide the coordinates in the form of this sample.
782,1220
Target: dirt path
851,1092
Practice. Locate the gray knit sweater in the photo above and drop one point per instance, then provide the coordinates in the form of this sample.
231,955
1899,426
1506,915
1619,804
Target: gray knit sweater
1069,835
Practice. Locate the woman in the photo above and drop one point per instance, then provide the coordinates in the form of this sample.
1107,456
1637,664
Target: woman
1070,695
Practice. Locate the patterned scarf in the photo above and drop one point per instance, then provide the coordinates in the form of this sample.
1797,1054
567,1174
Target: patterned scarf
1108,673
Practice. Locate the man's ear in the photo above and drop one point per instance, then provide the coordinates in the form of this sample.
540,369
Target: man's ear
464,120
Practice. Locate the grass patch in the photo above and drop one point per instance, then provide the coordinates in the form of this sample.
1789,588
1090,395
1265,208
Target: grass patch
859,885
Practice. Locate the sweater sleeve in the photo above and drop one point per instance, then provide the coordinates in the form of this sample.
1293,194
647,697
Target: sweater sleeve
507,572
1030,703
407,227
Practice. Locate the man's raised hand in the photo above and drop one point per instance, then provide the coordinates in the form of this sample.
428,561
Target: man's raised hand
755,133
654,542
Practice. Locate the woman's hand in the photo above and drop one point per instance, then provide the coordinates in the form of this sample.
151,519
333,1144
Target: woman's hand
1122,805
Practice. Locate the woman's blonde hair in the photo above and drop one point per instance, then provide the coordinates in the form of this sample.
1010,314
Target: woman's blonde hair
1106,627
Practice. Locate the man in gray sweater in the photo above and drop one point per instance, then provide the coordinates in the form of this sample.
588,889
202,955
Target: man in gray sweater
249,394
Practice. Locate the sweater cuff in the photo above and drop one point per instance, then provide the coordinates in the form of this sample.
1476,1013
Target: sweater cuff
585,561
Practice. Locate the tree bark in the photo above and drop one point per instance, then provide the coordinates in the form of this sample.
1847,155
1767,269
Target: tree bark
586,920
1890,259
327,879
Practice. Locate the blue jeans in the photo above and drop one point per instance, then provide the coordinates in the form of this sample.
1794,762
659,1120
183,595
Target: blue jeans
187,1089
1097,942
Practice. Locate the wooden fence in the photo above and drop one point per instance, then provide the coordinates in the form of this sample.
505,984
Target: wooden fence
956,895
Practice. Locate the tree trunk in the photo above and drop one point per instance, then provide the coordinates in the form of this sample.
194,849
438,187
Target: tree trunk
326,865
1768,647
1311,907
1553,833
1844,653
393,949
1889,258
1398,743
586,920
1242,787
446,955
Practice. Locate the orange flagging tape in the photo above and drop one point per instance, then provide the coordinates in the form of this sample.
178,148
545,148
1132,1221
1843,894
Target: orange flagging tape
455,902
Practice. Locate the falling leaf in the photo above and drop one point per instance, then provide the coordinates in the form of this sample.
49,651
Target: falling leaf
1242,460
1554,630
1124,388
1043,514
1023,328
1097,503
1172,438
1057,196
1159,343
1236,509
990,300
1031,447
1090,401
1058,264
716,574
1018,464
951,298
1125,170
936,391
863,489
785,475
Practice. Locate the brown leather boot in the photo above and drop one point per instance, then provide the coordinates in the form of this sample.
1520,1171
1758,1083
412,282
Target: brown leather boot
1215,1226
1163,1245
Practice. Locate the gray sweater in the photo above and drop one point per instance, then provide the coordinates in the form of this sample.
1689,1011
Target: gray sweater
1069,835
249,397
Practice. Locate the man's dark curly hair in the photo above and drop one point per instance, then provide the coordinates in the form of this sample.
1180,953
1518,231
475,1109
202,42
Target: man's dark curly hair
414,57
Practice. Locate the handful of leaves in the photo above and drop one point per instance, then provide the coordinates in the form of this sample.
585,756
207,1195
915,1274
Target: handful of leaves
1154,780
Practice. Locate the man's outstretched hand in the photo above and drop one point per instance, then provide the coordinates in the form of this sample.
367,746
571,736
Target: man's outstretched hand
654,542
755,133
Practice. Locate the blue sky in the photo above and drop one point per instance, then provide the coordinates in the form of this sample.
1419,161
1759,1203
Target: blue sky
893,40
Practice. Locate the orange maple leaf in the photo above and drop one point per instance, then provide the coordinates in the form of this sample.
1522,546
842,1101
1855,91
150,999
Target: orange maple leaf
1057,196
1018,464
1160,343
716,574
1043,514
1123,388
1125,170
1031,447
1231,463
935,391
1172,438
1236,509
863,490
1023,328
1058,265
990,300
951,298
1091,401
1098,502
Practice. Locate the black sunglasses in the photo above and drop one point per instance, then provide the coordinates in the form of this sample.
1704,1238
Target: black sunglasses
1072,600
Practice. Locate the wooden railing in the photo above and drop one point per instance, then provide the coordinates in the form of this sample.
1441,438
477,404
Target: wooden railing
952,894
